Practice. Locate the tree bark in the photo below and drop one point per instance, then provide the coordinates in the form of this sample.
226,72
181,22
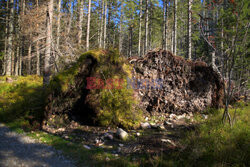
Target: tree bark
70,17
105,25
101,26
88,25
175,28
49,19
120,31
165,35
189,30
29,58
6,37
10,39
58,24
146,28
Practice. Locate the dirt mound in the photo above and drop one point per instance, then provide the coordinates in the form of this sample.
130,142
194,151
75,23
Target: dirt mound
183,85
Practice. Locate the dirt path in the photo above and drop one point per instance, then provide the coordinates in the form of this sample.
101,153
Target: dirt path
20,151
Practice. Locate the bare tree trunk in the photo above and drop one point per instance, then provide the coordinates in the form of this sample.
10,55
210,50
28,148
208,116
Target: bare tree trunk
10,39
70,17
140,27
17,58
22,6
37,48
165,37
80,21
150,26
130,41
88,25
175,28
49,19
120,31
146,28
101,25
189,30
105,25
59,23
29,58
6,37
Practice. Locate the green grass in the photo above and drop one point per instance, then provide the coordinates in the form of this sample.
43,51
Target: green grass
214,143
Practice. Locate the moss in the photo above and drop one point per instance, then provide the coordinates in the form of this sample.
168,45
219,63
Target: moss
112,107
22,101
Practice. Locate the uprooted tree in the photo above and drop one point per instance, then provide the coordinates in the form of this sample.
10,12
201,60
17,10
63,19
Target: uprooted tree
183,86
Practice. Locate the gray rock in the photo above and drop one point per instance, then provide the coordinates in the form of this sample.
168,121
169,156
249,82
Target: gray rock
122,134
145,125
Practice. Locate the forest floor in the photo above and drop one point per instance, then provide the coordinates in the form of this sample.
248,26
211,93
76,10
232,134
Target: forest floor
202,140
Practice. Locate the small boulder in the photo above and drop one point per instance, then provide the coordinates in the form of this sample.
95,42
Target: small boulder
122,134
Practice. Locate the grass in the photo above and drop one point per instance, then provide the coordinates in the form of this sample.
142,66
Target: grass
212,143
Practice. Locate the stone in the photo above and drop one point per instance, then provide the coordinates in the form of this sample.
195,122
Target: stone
122,134
145,125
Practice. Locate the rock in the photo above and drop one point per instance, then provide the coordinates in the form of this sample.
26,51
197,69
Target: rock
145,125
87,147
109,136
122,134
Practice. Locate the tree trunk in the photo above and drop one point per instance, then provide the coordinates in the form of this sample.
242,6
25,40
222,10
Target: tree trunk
130,41
146,28
88,25
189,30
105,25
49,19
70,17
175,28
37,48
6,37
10,39
58,24
81,7
165,37
29,59
150,26
120,31
101,26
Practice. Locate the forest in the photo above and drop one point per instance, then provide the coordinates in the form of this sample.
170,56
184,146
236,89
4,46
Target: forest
124,83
